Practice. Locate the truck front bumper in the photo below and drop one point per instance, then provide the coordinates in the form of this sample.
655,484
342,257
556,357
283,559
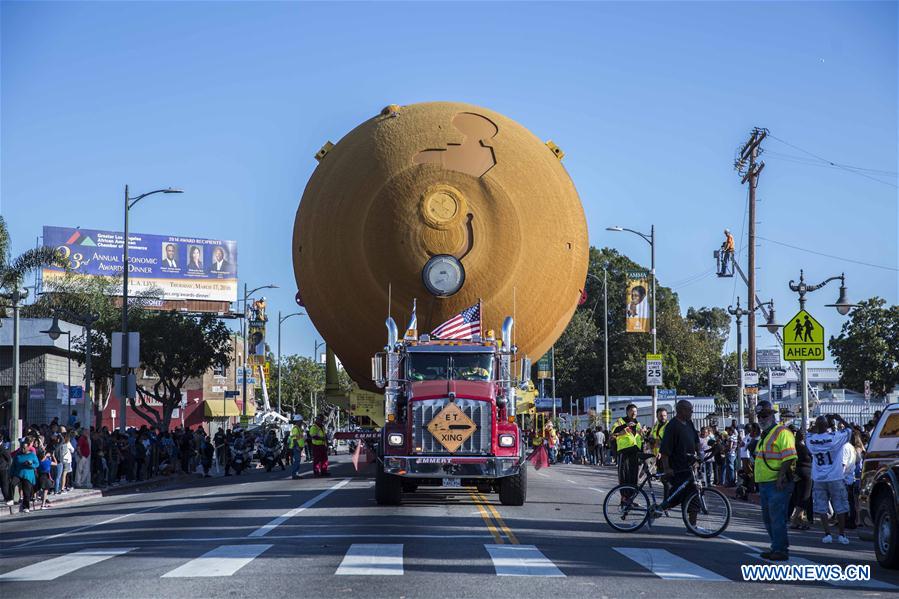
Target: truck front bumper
468,467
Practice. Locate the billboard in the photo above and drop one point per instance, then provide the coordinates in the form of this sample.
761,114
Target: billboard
183,268
637,314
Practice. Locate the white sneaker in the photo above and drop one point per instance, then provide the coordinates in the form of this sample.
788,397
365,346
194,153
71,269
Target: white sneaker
26,510
842,540
827,539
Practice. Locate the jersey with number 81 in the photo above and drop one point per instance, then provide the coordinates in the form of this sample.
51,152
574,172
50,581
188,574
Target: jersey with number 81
827,454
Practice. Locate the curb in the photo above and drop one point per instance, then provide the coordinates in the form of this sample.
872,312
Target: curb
89,494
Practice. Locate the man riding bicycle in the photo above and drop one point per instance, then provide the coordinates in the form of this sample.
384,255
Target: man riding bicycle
680,446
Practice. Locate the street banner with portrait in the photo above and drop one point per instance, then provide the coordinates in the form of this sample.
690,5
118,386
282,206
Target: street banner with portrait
256,342
637,308
180,268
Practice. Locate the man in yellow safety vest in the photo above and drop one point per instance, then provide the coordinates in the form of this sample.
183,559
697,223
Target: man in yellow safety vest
775,465
295,443
628,436
319,436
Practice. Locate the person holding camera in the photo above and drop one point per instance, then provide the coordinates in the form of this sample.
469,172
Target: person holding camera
825,444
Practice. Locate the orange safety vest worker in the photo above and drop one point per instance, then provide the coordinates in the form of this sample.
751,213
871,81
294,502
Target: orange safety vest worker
774,450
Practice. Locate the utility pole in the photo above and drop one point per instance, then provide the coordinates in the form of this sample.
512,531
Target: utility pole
750,172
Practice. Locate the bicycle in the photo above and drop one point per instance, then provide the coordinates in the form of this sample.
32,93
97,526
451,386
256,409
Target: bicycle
706,512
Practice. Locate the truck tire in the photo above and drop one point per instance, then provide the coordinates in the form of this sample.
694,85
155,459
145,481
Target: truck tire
513,490
886,534
388,488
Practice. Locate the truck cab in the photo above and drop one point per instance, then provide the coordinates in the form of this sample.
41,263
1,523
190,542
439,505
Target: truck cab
449,416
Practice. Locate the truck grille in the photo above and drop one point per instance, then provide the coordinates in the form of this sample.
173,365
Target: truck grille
479,412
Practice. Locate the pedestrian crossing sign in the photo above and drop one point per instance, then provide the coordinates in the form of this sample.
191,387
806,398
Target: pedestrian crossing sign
803,339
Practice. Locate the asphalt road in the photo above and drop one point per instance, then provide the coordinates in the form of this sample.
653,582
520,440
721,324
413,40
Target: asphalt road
268,536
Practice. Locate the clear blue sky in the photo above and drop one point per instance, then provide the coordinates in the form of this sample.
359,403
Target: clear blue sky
230,101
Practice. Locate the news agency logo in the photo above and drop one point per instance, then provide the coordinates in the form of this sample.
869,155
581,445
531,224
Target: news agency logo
805,573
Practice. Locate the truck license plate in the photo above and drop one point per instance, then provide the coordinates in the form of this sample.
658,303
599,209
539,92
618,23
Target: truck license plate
452,483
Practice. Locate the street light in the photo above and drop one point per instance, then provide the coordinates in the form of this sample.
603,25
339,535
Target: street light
54,332
129,203
86,320
605,334
770,324
243,324
280,321
651,240
843,306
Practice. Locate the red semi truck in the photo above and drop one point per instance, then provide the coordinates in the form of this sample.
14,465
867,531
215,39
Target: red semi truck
450,416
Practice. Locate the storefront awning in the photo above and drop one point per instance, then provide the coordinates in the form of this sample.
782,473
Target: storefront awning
221,408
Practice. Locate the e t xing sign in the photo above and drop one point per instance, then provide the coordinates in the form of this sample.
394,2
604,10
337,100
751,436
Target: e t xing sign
451,427
803,339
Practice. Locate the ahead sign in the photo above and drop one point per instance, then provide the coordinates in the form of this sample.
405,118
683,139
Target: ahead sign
803,338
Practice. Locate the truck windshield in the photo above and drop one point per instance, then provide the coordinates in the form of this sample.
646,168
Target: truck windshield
458,367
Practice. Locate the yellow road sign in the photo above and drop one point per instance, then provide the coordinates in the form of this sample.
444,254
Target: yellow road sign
452,427
803,338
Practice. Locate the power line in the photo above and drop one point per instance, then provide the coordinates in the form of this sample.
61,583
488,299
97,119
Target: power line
795,247
849,169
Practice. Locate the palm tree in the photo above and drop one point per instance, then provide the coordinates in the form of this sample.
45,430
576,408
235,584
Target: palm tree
14,270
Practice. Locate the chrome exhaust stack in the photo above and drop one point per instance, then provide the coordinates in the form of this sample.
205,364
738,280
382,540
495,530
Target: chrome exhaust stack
506,364
392,374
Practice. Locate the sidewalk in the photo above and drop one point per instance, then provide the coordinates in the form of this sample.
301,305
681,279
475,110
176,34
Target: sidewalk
76,495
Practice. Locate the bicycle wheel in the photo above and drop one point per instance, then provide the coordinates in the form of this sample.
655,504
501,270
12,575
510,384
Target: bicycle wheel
626,508
706,514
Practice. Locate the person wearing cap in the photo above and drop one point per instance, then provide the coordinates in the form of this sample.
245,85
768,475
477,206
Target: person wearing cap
295,443
319,447
775,464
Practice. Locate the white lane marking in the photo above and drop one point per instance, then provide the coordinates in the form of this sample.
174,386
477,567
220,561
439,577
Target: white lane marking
375,559
668,566
521,560
540,473
571,481
221,561
65,564
280,538
73,531
597,489
741,543
801,561
267,528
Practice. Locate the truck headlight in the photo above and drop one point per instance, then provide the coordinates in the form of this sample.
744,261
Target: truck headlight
507,440
395,439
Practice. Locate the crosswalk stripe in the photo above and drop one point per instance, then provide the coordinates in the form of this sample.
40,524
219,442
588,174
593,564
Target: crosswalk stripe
372,559
224,560
801,561
521,560
668,566
65,564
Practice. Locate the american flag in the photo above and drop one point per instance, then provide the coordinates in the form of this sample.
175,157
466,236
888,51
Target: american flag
461,326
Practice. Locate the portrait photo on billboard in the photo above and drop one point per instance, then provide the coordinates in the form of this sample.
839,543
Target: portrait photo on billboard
169,256
221,263
194,258
637,309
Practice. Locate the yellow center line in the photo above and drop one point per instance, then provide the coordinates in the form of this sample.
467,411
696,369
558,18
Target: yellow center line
496,535
500,522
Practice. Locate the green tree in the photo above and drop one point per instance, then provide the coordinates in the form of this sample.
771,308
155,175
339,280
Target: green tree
867,348
691,346
14,270
176,348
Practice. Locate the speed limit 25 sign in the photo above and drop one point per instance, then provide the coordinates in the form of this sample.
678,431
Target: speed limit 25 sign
654,370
